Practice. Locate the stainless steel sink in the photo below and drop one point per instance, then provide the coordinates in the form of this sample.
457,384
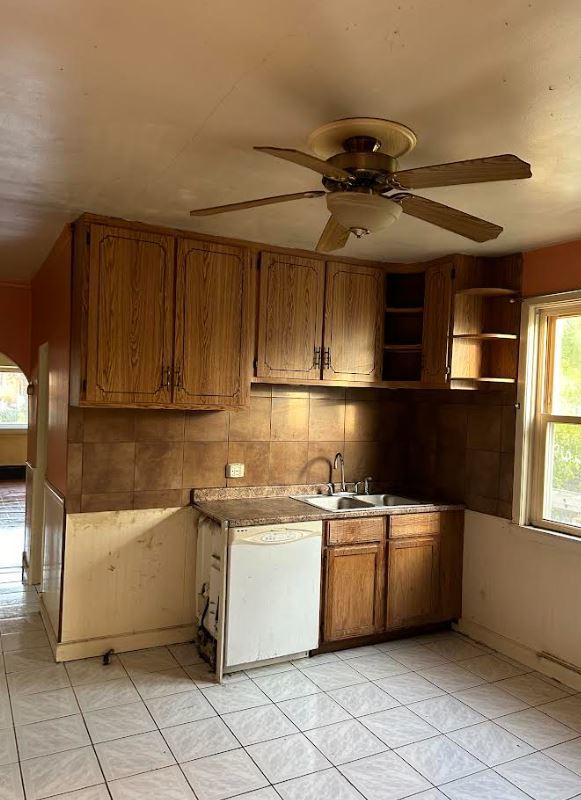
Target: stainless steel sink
388,500
335,502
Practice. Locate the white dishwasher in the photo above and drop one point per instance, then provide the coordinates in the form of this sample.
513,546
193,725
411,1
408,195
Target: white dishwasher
273,592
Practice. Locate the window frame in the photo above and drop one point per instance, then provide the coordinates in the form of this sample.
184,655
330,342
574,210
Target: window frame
534,383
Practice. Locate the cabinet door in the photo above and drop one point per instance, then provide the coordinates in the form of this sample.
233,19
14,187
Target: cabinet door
353,323
437,325
212,332
290,324
412,581
354,591
451,552
130,317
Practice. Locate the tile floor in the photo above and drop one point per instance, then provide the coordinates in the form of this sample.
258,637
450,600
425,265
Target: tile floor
431,718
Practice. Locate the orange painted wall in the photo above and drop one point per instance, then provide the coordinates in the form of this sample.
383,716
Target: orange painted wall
552,269
15,323
51,322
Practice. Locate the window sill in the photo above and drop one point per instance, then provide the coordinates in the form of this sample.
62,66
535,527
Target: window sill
15,429
569,537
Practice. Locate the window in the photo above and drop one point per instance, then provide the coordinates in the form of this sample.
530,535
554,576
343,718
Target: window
13,399
551,469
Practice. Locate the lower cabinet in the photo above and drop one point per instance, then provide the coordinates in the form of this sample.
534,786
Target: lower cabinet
354,590
412,578
374,583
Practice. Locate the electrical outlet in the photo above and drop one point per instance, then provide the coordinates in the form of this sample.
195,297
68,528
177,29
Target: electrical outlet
234,470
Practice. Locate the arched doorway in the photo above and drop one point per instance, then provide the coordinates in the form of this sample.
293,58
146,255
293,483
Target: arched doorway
13,446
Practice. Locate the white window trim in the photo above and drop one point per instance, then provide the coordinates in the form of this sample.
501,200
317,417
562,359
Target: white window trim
525,474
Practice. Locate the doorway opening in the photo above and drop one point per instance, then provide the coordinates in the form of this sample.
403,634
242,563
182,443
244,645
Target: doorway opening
13,447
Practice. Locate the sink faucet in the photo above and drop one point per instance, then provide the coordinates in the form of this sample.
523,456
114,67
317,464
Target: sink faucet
340,460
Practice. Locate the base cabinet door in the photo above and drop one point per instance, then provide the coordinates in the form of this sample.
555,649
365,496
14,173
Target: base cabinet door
212,331
354,591
130,317
290,322
412,581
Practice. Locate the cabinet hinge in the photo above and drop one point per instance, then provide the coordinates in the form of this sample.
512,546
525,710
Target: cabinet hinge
255,363
88,237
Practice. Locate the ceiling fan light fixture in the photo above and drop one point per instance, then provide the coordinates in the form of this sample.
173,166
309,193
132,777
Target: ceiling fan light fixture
369,212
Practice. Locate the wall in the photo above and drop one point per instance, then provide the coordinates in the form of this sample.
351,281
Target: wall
12,448
15,305
552,269
51,293
523,585
461,447
120,459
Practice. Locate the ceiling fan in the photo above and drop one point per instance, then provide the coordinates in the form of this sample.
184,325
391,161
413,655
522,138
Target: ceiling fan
357,158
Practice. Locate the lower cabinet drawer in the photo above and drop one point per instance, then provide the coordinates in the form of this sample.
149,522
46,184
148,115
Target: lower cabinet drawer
414,524
353,531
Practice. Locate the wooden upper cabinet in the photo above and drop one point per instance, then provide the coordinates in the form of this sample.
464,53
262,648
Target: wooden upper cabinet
130,317
212,325
437,325
354,592
412,581
290,323
353,345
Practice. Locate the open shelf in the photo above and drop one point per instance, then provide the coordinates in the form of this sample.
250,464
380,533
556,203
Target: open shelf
484,379
411,310
488,291
483,337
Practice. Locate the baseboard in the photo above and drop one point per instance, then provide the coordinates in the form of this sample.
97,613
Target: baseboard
69,651
14,472
520,652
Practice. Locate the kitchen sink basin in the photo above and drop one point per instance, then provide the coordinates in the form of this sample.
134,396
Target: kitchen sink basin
335,502
388,500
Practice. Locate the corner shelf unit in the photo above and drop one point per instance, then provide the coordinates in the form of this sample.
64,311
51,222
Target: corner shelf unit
403,326
486,324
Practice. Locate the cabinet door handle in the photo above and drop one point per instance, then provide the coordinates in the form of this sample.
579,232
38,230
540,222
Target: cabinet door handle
177,379
165,377
317,357
326,357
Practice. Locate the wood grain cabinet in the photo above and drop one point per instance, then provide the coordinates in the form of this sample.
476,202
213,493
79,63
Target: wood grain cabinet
130,317
290,324
373,583
412,580
353,346
296,296
150,329
437,325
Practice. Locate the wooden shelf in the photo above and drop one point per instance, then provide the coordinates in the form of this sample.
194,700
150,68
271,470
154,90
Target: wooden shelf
411,310
488,291
406,348
483,380
485,337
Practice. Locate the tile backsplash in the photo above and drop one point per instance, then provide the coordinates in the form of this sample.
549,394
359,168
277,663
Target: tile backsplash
121,458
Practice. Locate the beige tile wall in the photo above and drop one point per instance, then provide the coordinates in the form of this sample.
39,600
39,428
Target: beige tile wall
121,459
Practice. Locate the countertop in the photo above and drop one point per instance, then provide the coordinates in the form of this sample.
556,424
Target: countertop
270,510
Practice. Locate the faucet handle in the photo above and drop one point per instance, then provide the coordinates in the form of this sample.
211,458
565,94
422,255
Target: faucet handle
366,483
331,488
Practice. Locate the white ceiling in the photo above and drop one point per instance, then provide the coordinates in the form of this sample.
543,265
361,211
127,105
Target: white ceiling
146,108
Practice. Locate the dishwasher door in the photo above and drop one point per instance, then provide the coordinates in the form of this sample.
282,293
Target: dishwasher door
273,591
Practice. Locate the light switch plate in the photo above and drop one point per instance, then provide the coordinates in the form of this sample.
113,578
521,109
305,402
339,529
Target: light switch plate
234,470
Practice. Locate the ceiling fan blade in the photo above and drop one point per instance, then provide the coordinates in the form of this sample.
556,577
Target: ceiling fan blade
479,230
334,237
262,201
475,170
306,160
